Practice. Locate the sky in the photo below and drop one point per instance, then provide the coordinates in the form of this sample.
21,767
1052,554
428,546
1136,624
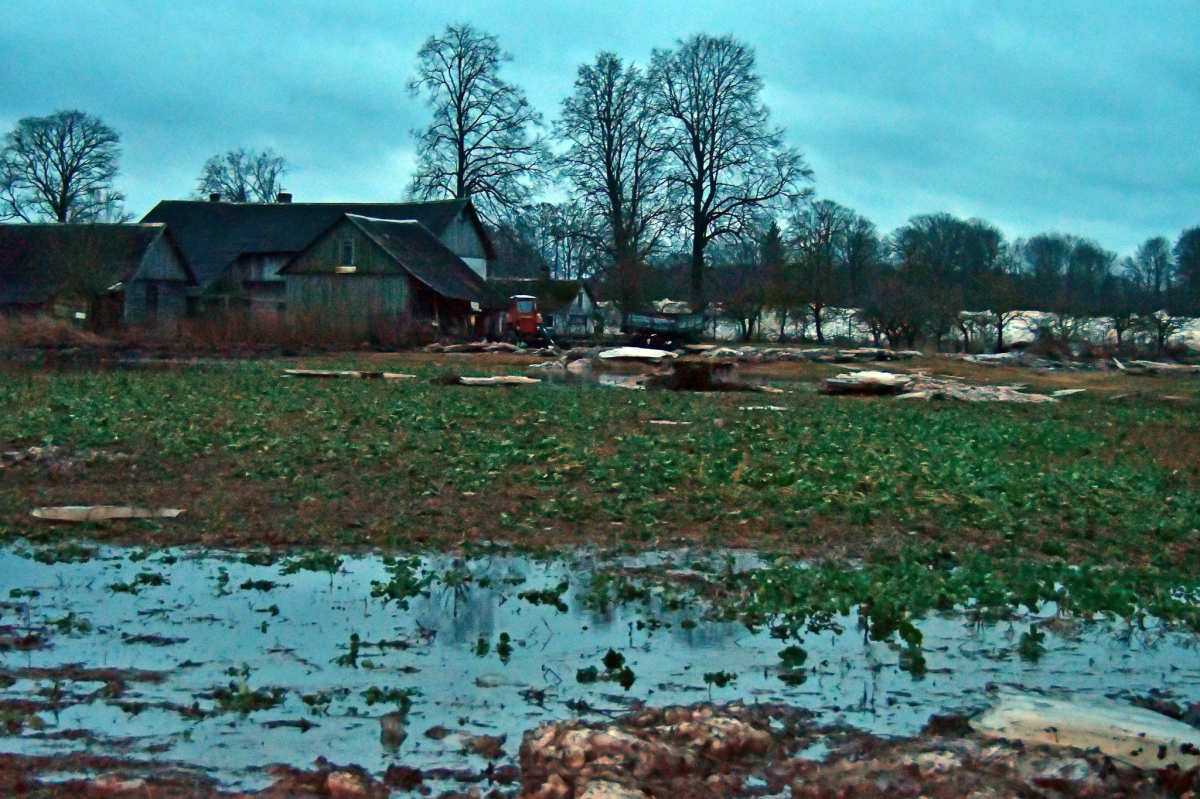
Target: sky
1037,115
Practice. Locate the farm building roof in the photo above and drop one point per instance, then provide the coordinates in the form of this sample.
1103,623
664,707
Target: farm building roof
214,234
552,295
36,261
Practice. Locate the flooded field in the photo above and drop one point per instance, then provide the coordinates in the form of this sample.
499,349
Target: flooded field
231,662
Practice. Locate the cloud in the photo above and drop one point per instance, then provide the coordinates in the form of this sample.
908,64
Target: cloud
1035,115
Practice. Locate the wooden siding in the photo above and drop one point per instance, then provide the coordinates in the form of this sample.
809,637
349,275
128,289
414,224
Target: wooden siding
324,255
161,263
352,299
157,292
463,239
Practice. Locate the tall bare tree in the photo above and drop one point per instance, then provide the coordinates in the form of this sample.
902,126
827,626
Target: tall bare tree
481,142
60,168
244,177
821,236
1153,270
614,161
727,162
1187,269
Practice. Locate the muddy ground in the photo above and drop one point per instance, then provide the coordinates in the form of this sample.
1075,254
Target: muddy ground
703,751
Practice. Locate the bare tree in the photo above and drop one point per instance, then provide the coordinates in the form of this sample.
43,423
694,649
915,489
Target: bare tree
614,161
244,177
1187,269
479,144
821,238
740,277
727,163
1153,270
555,231
60,168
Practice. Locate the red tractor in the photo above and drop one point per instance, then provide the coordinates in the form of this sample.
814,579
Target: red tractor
523,323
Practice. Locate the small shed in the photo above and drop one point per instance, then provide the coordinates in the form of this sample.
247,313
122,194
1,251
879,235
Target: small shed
567,307
362,272
101,274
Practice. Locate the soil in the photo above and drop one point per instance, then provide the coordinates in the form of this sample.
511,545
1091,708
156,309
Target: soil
703,751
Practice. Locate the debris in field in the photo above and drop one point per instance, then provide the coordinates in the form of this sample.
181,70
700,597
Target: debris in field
56,458
1132,735
750,354
635,354
349,373
96,513
496,380
1066,392
579,365
993,358
1154,368
761,408
867,382
667,422
922,386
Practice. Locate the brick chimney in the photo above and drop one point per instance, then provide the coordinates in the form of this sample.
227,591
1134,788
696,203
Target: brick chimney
215,197
283,197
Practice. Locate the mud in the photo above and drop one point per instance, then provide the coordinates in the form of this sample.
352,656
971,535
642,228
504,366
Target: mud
703,751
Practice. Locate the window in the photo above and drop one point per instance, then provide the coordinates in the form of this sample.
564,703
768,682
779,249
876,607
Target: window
524,306
151,299
347,252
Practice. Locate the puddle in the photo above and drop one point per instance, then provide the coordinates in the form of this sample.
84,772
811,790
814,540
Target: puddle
472,656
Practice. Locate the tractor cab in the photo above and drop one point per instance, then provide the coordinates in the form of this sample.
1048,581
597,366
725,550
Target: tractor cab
523,321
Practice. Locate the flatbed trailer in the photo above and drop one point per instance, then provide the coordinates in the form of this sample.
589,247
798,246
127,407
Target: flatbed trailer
657,329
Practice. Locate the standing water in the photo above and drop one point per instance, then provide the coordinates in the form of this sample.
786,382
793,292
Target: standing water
232,665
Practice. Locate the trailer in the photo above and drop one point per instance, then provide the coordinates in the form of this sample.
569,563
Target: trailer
663,330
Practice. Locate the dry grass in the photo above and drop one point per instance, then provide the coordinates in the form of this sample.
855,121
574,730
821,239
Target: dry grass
29,332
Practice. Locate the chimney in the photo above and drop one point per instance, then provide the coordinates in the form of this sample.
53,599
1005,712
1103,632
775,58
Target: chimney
283,197
215,197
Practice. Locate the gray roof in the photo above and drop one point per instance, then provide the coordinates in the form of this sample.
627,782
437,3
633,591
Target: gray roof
36,260
213,235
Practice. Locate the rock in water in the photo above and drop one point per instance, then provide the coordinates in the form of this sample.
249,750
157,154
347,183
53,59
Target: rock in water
391,729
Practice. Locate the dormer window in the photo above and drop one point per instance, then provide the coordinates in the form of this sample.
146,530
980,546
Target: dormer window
347,252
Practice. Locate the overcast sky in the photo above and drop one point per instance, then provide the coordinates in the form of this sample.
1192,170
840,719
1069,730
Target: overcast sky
1071,116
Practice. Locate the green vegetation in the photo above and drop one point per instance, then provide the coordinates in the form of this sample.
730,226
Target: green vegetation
400,697
1090,504
238,698
151,579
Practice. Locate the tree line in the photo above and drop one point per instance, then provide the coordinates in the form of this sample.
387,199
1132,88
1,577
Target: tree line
674,181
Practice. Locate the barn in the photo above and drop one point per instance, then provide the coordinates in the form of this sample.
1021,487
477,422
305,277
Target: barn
104,275
362,271
238,249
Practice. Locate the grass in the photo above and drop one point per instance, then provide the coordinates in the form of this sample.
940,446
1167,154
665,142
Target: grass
255,459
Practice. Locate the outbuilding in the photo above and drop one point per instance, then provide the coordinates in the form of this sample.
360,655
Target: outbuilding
103,275
567,307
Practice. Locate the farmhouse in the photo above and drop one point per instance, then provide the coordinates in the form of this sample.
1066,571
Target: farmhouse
238,249
104,275
567,306
362,271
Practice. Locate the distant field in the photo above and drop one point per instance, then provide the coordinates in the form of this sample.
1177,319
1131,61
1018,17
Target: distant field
257,459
